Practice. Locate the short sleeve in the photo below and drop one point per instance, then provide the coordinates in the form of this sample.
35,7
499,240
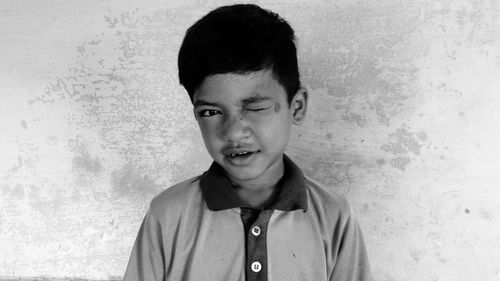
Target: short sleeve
146,261
352,260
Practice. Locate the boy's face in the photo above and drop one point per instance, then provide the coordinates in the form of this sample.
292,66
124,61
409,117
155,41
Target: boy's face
245,121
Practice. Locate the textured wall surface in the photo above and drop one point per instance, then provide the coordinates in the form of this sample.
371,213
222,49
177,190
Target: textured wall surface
403,119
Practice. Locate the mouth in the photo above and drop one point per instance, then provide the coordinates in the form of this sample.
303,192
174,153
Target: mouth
241,154
242,157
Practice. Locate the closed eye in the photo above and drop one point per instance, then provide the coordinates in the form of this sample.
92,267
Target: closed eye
208,112
257,109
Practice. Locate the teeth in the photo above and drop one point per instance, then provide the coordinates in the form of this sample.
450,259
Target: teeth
239,154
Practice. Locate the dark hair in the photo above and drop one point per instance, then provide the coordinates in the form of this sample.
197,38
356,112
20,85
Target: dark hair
239,39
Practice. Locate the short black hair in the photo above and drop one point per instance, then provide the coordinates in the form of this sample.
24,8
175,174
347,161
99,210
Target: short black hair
239,39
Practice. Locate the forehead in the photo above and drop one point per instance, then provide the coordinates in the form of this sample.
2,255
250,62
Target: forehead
233,88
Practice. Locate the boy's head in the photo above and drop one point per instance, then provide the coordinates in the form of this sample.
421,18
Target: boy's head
239,66
239,39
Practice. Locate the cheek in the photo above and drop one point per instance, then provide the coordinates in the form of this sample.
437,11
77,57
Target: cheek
274,129
209,132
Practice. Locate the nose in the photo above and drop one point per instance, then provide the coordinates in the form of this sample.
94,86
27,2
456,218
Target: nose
235,129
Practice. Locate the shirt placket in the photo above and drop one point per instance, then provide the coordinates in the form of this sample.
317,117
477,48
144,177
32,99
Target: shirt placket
255,224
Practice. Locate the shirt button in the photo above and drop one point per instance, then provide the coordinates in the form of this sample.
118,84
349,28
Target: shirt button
256,266
256,231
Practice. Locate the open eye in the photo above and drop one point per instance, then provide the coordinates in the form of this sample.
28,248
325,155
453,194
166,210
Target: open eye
208,112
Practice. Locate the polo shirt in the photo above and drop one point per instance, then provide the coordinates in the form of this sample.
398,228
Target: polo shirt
200,230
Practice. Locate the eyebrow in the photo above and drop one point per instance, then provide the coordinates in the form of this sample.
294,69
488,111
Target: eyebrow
252,99
204,102
255,98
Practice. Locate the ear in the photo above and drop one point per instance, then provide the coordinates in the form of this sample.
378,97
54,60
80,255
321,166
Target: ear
298,106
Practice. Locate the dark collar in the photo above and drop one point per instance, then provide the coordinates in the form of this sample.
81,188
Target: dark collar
220,195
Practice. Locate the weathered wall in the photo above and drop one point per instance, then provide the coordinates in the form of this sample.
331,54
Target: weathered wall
403,119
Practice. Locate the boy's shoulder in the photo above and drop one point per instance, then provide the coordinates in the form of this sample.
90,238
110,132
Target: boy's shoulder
186,194
326,200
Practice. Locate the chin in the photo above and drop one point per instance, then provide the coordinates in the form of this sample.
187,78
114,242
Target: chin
245,174
253,170
248,172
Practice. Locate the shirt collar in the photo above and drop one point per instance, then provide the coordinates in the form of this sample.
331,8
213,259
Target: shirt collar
219,194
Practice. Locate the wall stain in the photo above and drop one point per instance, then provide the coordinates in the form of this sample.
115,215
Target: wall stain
128,180
52,140
86,168
82,160
24,124
415,255
485,215
18,192
13,193
356,118
400,162
15,168
381,162
402,144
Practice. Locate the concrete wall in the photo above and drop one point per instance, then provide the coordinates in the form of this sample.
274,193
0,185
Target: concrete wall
403,119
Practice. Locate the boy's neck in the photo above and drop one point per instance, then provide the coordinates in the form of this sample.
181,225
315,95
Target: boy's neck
258,199
261,192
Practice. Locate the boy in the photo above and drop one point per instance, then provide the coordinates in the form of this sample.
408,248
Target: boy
252,215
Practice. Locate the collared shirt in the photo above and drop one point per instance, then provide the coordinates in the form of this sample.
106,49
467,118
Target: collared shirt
200,230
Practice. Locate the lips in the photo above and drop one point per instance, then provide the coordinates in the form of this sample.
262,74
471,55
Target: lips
235,152
240,156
